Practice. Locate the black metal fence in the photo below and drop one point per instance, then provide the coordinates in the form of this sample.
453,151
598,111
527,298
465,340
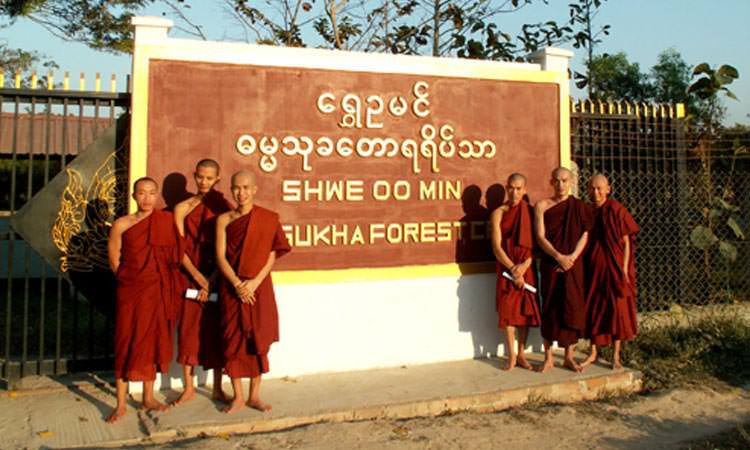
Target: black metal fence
47,326
690,197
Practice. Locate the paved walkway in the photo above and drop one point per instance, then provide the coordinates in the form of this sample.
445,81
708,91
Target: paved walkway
70,412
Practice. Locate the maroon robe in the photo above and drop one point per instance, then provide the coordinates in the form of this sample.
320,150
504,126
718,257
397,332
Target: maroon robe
516,307
200,333
249,330
610,304
563,294
146,310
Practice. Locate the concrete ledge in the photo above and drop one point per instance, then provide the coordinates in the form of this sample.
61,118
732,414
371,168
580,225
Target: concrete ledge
391,393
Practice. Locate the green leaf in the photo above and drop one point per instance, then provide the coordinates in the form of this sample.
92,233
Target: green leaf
732,222
728,71
731,95
726,205
702,237
728,251
702,68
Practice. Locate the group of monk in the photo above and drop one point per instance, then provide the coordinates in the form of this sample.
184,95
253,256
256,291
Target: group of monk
587,279
204,271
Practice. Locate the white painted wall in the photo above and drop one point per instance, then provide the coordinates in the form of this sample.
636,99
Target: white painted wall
371,324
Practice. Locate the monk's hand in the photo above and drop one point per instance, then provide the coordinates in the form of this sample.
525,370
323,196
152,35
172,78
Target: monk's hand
518,270
518,281
202,295
566,262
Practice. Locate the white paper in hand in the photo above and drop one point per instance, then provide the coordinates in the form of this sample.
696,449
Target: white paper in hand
193,294
526,286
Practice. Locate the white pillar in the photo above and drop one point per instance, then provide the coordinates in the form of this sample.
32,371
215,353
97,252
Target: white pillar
150,29
552,59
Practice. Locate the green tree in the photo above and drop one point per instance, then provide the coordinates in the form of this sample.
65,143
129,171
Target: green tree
615,78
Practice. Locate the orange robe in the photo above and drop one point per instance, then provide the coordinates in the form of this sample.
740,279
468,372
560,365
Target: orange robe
516,307
199,334
563,294
610,304
249,330
146,310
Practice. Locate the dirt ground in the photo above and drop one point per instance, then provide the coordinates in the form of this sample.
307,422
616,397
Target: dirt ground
658,421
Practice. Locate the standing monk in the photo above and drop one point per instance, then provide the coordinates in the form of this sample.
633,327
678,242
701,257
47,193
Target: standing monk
610,262
144,254
200,330
562,226
512,243
248,241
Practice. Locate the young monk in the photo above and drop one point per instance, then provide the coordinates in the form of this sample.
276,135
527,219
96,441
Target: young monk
610,263
512,243
144,253
199,329
562,226
248,242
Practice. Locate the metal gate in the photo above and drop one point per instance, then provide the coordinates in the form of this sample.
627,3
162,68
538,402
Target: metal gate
48,325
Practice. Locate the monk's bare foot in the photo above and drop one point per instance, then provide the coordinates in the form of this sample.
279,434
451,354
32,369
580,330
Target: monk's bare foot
235,405
571,364
548,364
259,404
511,364
522,362
186,396
589,361
153,405
219,396
117,414
616,365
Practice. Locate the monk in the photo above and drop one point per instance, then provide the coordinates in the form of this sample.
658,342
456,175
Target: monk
562,227
512,243
199,329
144,254
248,242
610,261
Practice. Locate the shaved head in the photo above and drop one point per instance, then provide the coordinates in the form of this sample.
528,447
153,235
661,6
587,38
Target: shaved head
144,180
559,171
599,178
243,174
209,164
514,177
599,189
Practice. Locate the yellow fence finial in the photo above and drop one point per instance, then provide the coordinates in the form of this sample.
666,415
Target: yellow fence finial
98,82
50,80
18,79
82,82
34,80
2,78
113,84
680,113
66,81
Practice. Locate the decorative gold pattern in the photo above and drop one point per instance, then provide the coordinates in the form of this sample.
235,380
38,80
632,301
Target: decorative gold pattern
82,226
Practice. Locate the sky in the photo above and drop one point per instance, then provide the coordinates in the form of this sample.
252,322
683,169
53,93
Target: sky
713,31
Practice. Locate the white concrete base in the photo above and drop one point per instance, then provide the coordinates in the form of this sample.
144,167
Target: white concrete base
374,324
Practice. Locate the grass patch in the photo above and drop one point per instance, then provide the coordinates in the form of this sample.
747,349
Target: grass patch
736,439
709,350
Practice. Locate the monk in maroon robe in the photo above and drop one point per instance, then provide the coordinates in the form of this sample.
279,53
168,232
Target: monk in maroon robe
248,242
562,226
610,269
144,254
512,243
199,330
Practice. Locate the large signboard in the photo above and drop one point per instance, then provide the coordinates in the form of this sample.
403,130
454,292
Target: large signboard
371,161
